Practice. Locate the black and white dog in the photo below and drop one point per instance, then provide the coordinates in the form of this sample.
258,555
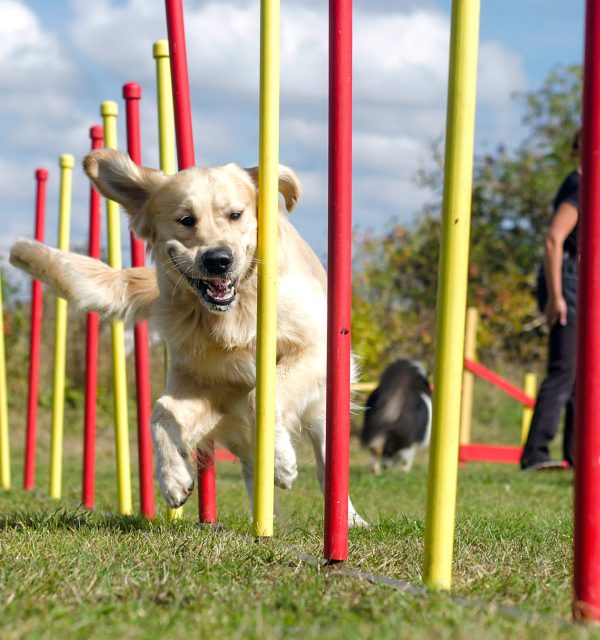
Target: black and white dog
398,416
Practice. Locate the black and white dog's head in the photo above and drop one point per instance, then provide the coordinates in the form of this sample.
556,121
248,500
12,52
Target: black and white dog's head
398,416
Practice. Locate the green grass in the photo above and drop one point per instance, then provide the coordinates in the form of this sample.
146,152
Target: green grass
72,574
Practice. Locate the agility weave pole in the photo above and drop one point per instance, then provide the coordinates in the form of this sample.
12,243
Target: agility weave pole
207,492
35,339
466,404
132,94
339,281
5,479
92,338
530,390
452,295
267,253
586,570
166,145
164,103
66,162
109,111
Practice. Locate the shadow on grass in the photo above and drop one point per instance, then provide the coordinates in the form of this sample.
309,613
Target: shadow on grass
66,519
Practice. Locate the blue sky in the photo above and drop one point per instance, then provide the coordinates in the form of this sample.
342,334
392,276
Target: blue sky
60,59
543,32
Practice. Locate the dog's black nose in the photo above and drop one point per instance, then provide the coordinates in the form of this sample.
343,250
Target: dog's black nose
217,261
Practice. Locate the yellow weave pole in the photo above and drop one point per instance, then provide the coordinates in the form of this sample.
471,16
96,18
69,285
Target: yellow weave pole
109,112
268,212
452,295
4,441
530,389
166,148
166,117
66,163
468,379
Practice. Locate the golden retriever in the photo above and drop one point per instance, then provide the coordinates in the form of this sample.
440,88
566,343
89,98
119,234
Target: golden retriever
200,226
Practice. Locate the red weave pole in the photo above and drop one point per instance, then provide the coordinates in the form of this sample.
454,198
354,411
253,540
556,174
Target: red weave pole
586,575
489,376
92,333
132,94
339,292
41,176
207,492
184,134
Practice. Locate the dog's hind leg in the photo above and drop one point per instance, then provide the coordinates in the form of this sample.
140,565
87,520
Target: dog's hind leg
407,457
317,436
248,476
286,466
285,463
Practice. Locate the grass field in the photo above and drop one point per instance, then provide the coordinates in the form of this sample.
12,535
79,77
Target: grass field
72,574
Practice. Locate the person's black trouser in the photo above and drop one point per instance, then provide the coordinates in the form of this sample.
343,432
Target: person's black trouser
556,392
557,388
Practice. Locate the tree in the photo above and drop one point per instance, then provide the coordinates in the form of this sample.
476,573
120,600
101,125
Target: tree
395,273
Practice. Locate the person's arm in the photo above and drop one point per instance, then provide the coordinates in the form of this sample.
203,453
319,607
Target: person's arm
562,224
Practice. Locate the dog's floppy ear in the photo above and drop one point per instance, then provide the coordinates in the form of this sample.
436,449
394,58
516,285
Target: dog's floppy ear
289,185
118,178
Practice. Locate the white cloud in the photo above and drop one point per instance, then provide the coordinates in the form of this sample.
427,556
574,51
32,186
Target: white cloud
399,57
387,154
500,74
35,73
400,76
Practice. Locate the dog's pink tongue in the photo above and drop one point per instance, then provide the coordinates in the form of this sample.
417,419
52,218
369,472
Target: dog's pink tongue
221,286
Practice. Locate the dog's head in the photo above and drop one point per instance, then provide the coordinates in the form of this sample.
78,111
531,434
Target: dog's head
200,224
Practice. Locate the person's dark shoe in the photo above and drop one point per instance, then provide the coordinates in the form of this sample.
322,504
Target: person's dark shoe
530,465
549,465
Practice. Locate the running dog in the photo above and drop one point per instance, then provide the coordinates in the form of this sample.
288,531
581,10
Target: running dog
200,226
398,416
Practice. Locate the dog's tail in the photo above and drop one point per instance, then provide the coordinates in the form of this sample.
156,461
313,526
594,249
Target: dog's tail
89,283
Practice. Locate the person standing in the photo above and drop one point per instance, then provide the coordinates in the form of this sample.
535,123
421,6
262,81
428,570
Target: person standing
557,295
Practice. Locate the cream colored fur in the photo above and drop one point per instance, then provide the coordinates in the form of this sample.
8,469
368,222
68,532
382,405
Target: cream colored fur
210,392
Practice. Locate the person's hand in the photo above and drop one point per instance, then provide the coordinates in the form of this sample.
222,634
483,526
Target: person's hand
556,311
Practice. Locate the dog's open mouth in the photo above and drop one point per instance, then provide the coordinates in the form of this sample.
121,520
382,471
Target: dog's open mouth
216,293
215,290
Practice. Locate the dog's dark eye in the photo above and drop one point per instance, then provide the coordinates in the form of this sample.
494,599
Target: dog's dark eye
235,215
187,221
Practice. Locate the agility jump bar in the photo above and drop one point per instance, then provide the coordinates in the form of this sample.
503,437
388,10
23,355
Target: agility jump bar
489,376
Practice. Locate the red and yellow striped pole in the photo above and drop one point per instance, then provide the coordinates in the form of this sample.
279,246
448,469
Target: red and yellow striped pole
109,112
67,162
452,295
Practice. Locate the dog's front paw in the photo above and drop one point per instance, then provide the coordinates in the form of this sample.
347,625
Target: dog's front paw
354,520
176,482
285,475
